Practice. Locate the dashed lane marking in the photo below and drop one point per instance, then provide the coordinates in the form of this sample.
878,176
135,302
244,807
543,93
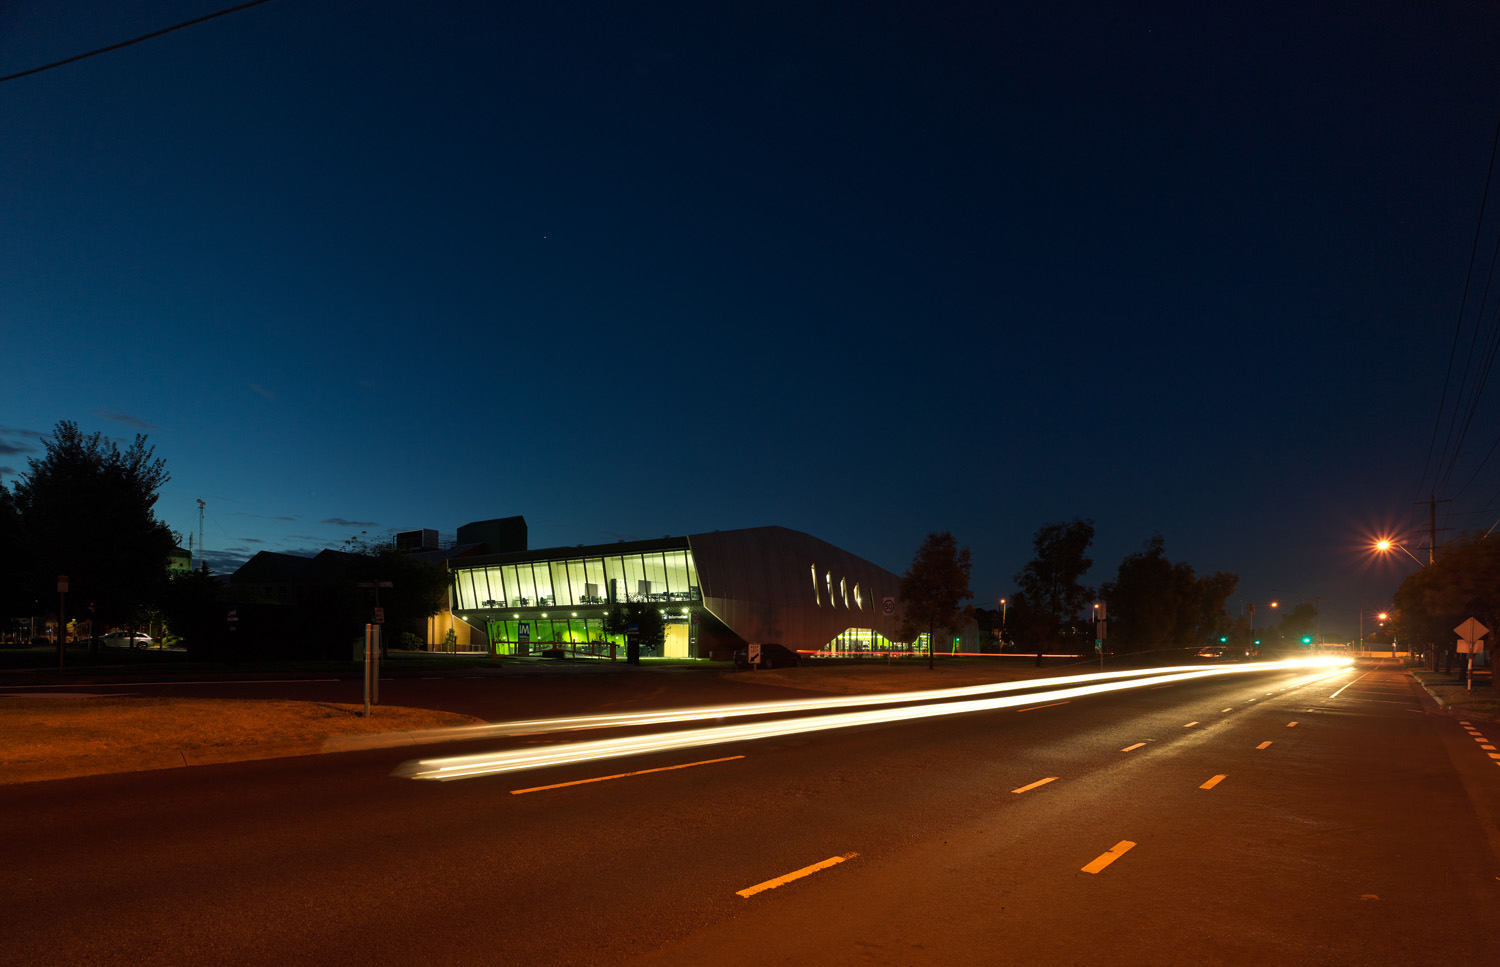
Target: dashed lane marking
1132,748
1032,785
623,775
1213,782
750,891
1109,856
1264,745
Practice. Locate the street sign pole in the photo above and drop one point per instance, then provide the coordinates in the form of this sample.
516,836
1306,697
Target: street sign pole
369,639
1471,639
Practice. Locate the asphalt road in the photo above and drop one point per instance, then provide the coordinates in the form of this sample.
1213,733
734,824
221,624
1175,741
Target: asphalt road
1367,832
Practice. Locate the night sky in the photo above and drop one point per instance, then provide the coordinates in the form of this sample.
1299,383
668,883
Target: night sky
863,270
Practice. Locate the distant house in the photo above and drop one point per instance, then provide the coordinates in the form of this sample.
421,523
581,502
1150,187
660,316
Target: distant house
290,582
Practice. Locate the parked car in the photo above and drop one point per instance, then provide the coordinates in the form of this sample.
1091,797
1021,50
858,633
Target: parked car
133,639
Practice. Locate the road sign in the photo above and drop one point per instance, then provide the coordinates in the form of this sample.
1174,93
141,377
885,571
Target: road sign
523,632
1471,630
1470,647
234,614
380,616
752,653
887,606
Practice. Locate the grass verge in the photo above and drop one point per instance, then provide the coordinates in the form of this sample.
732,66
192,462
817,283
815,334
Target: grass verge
35,729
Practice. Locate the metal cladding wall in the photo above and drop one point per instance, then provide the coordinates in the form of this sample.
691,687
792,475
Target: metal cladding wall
760,582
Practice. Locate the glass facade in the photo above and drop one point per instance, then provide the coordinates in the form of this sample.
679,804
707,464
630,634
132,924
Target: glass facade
866,641
665,577
520,605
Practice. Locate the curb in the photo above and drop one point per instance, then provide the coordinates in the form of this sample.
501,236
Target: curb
1446,707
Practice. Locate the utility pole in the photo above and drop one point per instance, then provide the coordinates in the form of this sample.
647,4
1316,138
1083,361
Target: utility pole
1432,527
200,529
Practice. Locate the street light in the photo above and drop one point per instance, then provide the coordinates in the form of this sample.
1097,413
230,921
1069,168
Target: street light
1385,545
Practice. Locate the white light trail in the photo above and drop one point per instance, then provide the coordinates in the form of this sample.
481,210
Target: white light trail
700,713
491,763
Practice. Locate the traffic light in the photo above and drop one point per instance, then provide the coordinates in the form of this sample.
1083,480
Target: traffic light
1223,639
1307,639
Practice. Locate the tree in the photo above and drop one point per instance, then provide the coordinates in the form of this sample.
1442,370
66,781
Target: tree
418,590
1050,580
86,510
1298,623
651,628
1156,604
933,590
16,598
195,604
1462,583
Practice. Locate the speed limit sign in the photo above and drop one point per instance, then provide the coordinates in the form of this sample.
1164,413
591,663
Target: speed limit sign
887,606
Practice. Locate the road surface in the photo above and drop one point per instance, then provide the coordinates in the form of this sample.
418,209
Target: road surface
1254,819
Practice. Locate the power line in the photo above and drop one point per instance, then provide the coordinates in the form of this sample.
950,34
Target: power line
134,40
1443,458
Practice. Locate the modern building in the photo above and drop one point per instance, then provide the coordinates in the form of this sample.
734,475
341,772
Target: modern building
716,591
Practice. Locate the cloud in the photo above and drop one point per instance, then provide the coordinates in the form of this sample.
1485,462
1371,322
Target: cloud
9,472
341,522
13,448
126,419
241,513
263,392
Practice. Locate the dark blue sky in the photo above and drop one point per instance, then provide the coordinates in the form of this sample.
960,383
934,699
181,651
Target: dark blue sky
867,271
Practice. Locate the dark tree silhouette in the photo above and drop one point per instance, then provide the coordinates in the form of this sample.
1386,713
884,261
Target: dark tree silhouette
86,509
1050,580
934,589
651,628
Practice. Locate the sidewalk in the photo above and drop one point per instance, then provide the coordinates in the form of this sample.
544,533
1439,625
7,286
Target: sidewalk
1449,691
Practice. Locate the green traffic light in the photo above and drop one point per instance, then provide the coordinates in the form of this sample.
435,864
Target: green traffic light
1307,639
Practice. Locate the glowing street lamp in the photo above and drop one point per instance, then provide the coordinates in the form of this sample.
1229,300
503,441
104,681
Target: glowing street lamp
1385,545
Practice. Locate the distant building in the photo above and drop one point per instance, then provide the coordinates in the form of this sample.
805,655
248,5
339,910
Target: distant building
717,591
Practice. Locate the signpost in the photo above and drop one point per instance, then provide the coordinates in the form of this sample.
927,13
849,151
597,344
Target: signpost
372,645
523,638
1101,631
1470,641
